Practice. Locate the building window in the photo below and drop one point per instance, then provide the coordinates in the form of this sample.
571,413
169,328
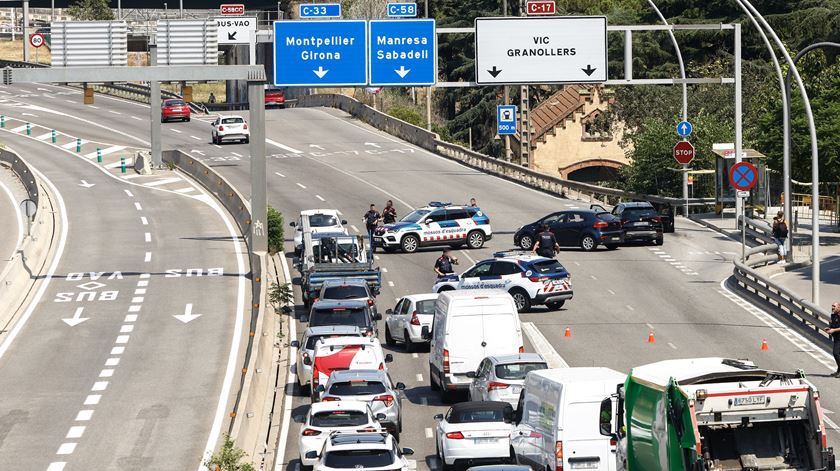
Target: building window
596,127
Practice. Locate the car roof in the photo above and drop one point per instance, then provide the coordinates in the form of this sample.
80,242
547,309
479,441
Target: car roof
172,99
331,329
439,205
345,281
368,438
517,358
225,116
333,304
479,405
420,297
343,341
310,212
317,407
348,375
516,256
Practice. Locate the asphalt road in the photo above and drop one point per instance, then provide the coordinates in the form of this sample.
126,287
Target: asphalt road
99,374
11,194
677,291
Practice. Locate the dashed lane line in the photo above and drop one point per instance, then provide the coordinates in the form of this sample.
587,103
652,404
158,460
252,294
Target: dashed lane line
301,185
279,174
320,198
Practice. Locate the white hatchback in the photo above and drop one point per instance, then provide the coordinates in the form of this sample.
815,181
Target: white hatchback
327,417
355,451
474,433
500,377
230,128
405,322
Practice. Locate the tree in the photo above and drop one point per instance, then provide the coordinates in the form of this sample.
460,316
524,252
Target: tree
228,458
91,10
275,231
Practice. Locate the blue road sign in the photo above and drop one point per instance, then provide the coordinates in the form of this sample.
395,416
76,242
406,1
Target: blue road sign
505,119
743,176
403,53
320,53
684,129
319,10
401,10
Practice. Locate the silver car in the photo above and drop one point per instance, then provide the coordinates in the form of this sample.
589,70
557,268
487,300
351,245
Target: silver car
405,322
500,378
306,348
372,386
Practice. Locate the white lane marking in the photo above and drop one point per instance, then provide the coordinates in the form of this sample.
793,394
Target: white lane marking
414,355
543,347
73,143
234,153
384,270
128,163
129,193
611,292
144,220
93,399
163,181
175,130
429,433
114,112
138,299
196,138
127,328
143,283
279,174
128,318
217,146
576,263
118,350
112,361
286,148
18,129
66,449
104,152
185,190
140,291
355,229
94,107
129,176
35,302
145,275
148,257
301,185
376,257
137,206
593,277
320,198
629,307
138,119
76,431
122,339
44,137
134,308
391,284
106,373
147,236
672,345
419,378
84,415
18,218
650,326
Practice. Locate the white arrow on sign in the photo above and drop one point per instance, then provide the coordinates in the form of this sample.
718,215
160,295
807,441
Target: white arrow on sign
76,319
86,184
187,316
373,144
320,72
402,71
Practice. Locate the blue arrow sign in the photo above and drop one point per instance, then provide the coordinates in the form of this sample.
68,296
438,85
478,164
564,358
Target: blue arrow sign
319,10
320,53
684,129
401,10
505,119
403,53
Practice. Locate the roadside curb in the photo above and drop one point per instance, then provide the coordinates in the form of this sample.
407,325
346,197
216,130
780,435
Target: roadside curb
283,364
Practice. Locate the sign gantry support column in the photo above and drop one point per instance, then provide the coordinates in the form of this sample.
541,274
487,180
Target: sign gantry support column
154,106
524,113
259,206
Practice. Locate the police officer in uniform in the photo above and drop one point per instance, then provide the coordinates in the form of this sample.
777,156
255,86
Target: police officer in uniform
389,214
443,265
833,330
546,245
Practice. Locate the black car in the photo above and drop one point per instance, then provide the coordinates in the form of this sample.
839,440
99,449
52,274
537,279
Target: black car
639,220
582,228
352,313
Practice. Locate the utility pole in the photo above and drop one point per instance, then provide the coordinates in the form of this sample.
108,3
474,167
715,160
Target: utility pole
506,94
26,30
524,114
428,90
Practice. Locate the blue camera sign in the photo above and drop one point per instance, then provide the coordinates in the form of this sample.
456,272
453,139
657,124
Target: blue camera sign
402,10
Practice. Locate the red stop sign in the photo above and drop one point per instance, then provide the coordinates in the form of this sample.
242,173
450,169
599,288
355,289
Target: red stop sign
684,152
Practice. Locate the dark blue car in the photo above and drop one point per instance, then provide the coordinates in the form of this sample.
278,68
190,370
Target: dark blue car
582,228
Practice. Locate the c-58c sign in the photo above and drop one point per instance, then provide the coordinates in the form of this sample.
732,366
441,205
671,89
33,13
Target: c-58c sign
232,9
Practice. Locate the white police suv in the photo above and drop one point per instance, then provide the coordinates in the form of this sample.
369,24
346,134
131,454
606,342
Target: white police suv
530,279
435,224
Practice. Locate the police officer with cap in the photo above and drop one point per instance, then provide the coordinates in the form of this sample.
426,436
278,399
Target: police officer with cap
546,245
443,265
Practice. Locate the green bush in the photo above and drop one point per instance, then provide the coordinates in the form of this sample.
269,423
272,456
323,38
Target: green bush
407,114
281,295
275,231
228,458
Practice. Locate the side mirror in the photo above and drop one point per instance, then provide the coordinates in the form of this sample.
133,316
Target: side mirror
400,386
389,311
380,417
294,344
408,451
438,417
293,224
377,316
304,319
605,417
311,455
389,358
470,374
343,221
426,333
320,389
307,361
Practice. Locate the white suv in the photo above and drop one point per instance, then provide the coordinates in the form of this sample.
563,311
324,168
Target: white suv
320,221
328,417
230,128
435,224
373,450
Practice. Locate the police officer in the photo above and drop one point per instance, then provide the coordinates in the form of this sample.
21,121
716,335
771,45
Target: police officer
833,330
371,219
443,265
389,213
546,245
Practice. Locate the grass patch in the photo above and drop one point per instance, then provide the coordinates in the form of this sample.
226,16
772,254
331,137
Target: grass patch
201,91
13,51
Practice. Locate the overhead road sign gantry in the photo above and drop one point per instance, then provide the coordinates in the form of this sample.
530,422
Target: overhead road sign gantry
319,10
235,30
403,53
557,49
402,10
320,53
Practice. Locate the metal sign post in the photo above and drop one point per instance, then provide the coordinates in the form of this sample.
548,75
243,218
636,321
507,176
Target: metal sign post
29,209
743,176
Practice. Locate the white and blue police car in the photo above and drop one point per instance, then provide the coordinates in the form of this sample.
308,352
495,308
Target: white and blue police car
530,279
435,224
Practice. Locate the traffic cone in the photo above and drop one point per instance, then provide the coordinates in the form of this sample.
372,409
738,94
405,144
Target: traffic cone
764,344
568,332
651,337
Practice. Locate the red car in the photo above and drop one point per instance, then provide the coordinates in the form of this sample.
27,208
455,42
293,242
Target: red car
275,97
174,109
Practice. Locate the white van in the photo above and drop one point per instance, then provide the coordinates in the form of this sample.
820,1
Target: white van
344,353
470,325
557,419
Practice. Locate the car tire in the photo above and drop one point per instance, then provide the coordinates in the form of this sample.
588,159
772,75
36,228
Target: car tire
611,246
588,243
389,340
555,305
188,119
304,467
434,386
521,299
475,240
446,396
659,241
410,243
247,140
526,242
409,345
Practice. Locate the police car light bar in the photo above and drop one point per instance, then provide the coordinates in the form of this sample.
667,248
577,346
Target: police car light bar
438,204
508,253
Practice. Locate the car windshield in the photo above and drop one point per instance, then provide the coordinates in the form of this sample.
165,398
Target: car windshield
517,370
358,459
322,220
547,267
175,103
352,317
232,120
466,416
345,292
639,213
339,418
426,307
312,340
415,215
359,387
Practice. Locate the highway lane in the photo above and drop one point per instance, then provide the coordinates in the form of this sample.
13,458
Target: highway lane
620,296
11,194
101,375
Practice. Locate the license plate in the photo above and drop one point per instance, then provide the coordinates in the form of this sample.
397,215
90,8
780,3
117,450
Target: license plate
614,239
748,401
484,441
516,389
642,224
584,464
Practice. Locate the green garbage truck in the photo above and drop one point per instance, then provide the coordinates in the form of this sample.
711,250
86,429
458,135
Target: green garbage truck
715,414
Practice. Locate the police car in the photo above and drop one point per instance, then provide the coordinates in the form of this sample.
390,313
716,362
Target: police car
435,224
530,279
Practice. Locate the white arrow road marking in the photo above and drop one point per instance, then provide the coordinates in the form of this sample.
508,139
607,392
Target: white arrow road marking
196,151
316,146
373,144
77,318
86,184
402,71
187,316
320,72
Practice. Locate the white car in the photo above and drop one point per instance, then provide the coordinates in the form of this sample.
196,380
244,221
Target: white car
530,279
372,450
320,220
500,377
328,417
435,224
474,433
306,347
405,322
230,128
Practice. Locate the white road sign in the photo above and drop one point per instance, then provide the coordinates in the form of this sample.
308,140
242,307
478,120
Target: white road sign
235,29
558,49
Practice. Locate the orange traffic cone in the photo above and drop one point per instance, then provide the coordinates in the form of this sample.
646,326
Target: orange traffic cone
764,344
651,337
568,332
